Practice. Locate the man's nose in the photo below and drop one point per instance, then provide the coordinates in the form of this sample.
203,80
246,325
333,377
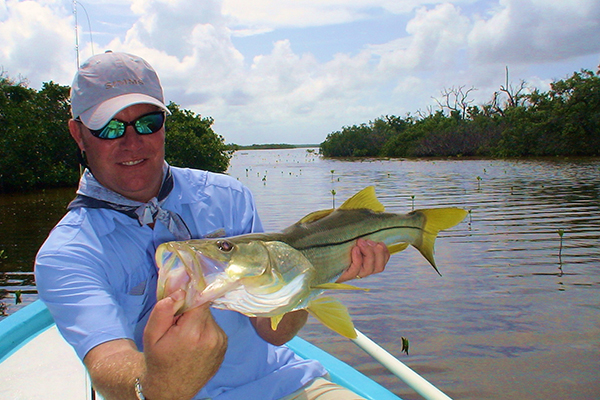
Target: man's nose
131,137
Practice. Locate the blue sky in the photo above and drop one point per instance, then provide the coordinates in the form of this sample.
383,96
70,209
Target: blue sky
293,71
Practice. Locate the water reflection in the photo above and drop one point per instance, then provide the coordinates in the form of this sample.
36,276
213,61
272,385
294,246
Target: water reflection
25,221
505,293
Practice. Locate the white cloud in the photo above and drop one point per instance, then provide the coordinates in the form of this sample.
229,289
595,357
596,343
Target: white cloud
524,31
169,25
436,36
188,43
37,41
3,10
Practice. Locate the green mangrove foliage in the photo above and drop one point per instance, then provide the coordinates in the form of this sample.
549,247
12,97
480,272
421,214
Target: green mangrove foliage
36,149
191,142
565,121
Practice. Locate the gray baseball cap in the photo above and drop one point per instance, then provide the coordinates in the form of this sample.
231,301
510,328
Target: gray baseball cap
110,82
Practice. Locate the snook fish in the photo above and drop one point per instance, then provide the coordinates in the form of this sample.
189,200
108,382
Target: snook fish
269,274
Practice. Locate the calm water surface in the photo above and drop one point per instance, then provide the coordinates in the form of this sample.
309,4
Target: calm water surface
514,316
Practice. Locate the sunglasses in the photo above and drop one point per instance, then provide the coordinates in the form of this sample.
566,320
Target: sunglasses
145,125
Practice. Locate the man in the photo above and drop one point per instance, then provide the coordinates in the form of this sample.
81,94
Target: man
96,274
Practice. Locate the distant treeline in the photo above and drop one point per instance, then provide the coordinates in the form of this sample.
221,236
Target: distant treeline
271,146
36,149
565,121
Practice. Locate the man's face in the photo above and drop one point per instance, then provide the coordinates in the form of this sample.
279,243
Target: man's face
130,165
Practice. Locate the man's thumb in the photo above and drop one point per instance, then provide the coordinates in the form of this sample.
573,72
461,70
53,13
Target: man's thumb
162,317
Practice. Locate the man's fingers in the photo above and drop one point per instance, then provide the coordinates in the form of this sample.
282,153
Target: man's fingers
162,317
368,257
382,256
195,322
357,262
183,352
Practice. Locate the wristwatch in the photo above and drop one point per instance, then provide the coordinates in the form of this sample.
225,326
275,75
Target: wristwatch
138,390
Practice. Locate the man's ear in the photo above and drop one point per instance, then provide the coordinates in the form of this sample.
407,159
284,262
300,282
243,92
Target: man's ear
76,131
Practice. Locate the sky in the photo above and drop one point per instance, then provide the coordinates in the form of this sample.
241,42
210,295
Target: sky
294,71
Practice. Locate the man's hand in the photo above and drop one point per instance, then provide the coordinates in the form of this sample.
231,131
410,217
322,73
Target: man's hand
182,352
368,257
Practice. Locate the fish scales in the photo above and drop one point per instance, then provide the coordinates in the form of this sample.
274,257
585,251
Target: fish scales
327,241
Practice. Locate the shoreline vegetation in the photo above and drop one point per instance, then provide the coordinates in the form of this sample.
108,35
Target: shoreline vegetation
37,152
517,122
270,146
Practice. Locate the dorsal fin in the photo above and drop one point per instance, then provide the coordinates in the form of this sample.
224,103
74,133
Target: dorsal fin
315,215
364,199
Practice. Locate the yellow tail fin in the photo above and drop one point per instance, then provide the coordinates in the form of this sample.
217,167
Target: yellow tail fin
334,315
436,220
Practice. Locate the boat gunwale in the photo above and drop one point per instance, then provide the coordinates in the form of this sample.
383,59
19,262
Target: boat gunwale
26,324
19,328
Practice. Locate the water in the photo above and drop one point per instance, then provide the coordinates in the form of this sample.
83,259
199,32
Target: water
25,221
513,316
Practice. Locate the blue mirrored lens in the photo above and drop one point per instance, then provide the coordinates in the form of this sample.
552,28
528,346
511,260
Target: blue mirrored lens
144,125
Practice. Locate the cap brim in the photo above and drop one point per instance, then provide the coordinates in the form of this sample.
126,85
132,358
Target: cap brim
98,116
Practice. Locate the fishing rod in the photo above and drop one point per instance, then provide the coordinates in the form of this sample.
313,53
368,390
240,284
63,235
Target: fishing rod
74,5
401,370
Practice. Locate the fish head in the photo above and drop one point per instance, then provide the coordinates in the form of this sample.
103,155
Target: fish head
230,271
207,268
283,285
181,267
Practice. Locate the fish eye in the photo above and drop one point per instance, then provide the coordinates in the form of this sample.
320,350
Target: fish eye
225,246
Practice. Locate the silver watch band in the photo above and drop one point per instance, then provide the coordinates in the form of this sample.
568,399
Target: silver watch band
138,389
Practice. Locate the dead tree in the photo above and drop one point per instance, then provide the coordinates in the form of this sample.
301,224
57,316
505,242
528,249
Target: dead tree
456,100
514,96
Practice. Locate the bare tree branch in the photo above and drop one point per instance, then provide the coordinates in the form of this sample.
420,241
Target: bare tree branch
514,96
456,100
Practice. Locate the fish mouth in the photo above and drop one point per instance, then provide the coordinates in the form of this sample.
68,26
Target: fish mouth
202,278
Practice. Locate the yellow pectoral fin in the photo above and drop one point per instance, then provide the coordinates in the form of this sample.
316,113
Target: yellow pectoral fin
275,321
338,286
398,247
333,314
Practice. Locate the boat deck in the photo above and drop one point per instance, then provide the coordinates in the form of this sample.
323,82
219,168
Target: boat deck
59,374
36,363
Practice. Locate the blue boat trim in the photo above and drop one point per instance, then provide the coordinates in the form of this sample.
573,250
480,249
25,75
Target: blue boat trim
342,373
18,329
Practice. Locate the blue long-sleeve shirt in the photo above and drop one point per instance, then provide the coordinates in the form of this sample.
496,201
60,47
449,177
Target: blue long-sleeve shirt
96,274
